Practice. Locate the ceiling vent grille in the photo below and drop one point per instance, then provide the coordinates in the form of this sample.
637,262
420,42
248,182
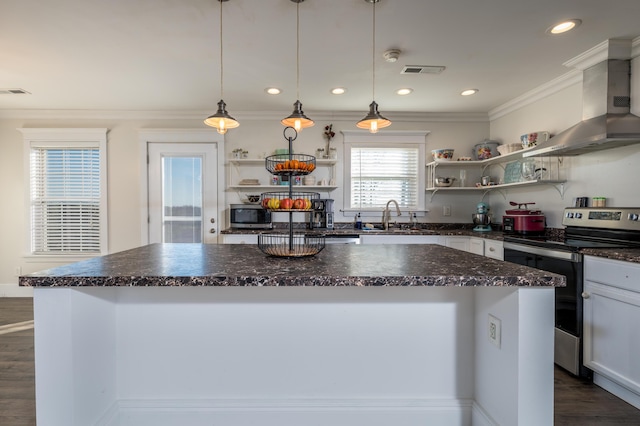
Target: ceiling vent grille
14,92
422,69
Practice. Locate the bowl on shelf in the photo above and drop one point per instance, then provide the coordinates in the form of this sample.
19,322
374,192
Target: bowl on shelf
444,181
530,140
485,149
445,154
253,198
509,148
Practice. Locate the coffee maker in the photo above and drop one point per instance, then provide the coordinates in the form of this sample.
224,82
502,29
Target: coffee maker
321,215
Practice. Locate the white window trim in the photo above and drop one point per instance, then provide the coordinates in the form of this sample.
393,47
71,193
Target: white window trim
363,138
66,138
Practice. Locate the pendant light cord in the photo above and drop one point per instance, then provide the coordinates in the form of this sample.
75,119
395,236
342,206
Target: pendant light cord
221,63
373,53
298,50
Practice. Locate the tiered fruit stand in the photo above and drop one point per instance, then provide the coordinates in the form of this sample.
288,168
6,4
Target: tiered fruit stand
290,165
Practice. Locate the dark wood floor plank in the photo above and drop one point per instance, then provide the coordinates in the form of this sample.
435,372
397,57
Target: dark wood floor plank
15,309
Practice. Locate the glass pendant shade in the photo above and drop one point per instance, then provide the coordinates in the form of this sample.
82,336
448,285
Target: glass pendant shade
221,120
373,121
297,119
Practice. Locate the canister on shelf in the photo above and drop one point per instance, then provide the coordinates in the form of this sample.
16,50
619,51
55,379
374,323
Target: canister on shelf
598,202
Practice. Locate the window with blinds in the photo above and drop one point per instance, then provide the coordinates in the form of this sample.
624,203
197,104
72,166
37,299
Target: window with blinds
379,174
67,193
65,200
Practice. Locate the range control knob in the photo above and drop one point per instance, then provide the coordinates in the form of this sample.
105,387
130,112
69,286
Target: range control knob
570,215
633,216
578,215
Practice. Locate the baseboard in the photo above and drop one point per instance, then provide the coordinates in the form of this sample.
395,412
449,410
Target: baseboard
14,290
620,391
480,417
291,412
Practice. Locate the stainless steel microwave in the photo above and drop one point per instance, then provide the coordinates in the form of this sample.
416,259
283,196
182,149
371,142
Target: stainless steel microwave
249,216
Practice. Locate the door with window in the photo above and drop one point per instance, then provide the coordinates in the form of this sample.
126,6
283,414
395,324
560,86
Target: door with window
183,192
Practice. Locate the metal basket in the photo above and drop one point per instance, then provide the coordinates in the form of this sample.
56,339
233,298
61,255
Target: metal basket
290,245
294,164
308,198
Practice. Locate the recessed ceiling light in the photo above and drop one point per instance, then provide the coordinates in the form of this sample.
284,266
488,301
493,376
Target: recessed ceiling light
273,90
564,26
338,90
404,91
469,92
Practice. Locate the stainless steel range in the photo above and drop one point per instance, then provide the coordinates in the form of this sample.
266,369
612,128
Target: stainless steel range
585,228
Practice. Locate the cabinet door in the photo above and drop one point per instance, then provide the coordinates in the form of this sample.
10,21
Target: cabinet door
611,333
476,246
399,239
494,249
240,239
460,243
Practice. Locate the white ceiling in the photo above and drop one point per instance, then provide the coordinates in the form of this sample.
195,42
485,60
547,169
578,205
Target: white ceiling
163,55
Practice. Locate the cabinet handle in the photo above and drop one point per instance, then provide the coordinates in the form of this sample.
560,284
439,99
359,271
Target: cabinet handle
492,249
585,295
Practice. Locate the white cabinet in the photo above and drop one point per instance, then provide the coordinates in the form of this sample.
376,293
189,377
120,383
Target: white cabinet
611,333
239,238
476,245
399,239
494,249
460,243
482,246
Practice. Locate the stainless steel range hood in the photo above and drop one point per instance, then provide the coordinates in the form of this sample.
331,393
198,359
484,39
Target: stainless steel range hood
606,118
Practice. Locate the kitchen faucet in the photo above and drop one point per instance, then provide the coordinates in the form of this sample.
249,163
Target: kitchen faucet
386,214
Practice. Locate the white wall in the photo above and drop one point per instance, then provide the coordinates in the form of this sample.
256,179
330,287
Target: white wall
257,134
613,174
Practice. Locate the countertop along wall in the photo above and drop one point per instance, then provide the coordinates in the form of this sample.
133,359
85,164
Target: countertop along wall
257,133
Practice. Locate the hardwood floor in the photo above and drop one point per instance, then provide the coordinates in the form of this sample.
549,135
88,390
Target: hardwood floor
576,402
17,372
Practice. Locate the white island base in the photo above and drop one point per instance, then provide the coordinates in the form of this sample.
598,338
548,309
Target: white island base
293,356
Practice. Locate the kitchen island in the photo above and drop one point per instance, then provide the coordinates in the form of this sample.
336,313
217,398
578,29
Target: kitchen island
356,335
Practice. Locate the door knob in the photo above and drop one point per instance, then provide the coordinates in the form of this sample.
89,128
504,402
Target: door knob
212,230
213,220
585,295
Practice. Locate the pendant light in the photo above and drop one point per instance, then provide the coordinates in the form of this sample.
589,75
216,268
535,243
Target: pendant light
221,120
373,121
297,119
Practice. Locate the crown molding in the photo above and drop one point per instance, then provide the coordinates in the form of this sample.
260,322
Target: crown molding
608,49
540,92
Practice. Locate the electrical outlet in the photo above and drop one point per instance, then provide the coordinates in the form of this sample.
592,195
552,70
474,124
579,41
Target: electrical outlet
18,271
446,210
495,330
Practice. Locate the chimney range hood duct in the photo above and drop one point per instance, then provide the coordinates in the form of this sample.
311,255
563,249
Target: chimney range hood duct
606,118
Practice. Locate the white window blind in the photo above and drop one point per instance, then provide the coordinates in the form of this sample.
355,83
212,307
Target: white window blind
379,174
65,200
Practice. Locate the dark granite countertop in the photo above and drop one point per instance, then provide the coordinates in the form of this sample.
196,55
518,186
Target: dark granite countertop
467,232
336,265
624,254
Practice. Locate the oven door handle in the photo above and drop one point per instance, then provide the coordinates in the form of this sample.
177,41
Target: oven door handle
540,251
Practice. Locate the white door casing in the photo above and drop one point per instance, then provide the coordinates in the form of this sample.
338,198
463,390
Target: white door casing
161,143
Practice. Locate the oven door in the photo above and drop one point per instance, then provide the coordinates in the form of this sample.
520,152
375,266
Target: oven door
568,300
